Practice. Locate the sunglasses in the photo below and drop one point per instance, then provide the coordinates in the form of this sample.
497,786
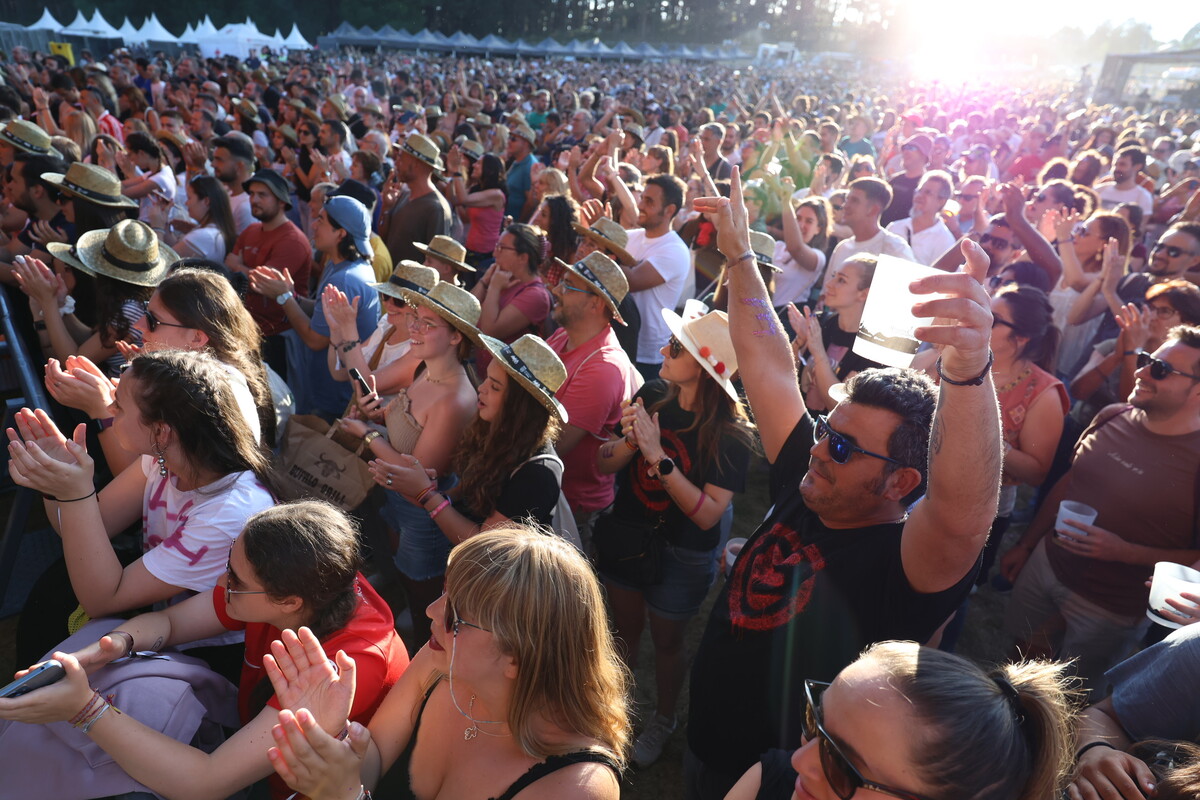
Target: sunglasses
675,347
1159,369
230,578
153,323
453,621
995,241
568,287
843,777
965,198
997,321
840,448
1170,250
837,207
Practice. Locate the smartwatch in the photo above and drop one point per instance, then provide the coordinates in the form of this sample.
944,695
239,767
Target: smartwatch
283,298
665,467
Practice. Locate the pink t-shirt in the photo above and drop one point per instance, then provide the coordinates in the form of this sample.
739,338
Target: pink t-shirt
531,299
600,377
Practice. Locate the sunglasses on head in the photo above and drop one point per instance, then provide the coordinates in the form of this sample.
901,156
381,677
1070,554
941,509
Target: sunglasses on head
995,241
840,447
1159,369
153,322
844,778
1171,250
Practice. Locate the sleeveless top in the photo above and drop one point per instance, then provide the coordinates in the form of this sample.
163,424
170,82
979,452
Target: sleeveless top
536,772
485,228
1016,399
403,430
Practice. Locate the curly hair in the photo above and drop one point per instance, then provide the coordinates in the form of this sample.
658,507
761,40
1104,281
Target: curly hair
488,454
563,212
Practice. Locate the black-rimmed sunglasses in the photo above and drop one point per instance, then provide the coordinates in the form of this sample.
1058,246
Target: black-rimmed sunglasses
674,347
844,778
1159,369
153,322
1171,250
841,448
453,621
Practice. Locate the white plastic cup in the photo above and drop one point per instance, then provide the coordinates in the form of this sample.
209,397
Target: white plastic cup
1074,511
1169,581
732,548
885,332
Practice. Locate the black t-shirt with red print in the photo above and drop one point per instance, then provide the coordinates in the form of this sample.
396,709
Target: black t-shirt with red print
802,602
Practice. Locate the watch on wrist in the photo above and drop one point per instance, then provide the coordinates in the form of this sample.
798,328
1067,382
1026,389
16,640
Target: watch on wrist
664,467
283,298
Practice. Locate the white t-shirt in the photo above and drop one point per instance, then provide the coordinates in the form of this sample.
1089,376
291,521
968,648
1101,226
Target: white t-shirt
164,181
794,283
206,242
883,243
673,262
1111,197
186,536
928,245
242,218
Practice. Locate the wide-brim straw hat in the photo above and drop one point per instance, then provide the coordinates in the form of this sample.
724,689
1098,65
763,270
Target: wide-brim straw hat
26,137
472,149
705,334
128,251
531,362
525,132
178,139
423,149
763,246
482,121
444,248
609,235
411,276
249,111
454,304
603,274
92,183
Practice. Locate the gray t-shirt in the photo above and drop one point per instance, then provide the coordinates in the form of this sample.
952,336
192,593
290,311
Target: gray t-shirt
1156,692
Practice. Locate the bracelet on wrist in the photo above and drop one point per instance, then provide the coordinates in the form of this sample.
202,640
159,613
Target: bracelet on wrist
426,493
128,641
346,347
441,507
631,445
1086,747
746,256
976,381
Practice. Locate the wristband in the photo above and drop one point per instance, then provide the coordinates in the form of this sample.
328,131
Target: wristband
1087,747
976,381
129,641
633,447
699,503
746,256
1130,352
370,437
425,493
441,507
101,425
283,298
39,326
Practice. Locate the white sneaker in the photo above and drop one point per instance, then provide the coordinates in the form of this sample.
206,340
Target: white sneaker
650,743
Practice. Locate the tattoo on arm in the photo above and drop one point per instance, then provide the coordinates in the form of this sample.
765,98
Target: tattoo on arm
158,643
937,435
765,315
607,450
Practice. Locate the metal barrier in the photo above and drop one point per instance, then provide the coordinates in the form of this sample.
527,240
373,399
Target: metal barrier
33,395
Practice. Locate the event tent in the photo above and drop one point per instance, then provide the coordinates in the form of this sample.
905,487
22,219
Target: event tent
153,31
47,22
296,41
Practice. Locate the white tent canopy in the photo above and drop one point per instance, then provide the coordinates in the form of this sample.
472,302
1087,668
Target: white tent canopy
188,36
296,41
206,28
100,25
78,25
237,39
128,32
153,31
47,22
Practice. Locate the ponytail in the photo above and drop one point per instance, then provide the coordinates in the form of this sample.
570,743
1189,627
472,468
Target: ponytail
1043,706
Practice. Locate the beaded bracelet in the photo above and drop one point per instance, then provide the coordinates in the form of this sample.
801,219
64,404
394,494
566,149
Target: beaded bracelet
441,507
632,446
346,347
424,495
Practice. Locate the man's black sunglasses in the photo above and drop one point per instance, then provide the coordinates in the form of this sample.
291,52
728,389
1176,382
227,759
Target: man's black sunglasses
840,448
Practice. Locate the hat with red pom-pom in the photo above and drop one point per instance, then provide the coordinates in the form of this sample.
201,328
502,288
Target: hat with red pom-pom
705,335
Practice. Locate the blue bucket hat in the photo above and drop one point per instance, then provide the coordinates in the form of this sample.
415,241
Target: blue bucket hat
353,217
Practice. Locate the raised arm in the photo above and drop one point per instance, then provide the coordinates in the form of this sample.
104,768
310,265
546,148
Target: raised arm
946,532
1040,251
765,360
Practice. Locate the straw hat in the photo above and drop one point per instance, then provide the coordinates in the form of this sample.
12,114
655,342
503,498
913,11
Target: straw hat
637,131
178,139
339,106
289,134
92,183
408,275
373,108
482,121
513,117
534,365
433,112
608,279
128,251
446,249
423,149
312,115
455,305
764,249
525,132
248,110
608,235
471,148
705,334
27,137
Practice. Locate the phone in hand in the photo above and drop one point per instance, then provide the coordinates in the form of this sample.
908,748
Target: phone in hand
44,675
358,378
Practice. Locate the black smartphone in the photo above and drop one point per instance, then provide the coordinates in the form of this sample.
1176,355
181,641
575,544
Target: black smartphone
44,675
357,377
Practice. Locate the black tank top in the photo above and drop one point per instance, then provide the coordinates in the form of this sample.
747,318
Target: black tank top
401,769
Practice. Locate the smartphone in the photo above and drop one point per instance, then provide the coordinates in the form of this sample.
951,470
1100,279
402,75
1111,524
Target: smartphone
44,675
358,378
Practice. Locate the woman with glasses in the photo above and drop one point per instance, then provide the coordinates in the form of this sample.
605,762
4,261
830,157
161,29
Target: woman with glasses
513,297
911,723
293,567
199,475
424,422
519,693
685,453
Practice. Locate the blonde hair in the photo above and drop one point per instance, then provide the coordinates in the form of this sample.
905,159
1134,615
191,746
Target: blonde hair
540,598
555,181
1005,734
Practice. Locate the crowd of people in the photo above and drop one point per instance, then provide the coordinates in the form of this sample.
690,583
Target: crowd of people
570,312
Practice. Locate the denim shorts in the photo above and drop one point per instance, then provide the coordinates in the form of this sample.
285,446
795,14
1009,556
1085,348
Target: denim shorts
687,575
423,549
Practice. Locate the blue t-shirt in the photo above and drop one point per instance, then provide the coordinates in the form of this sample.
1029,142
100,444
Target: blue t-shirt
519,184
354,279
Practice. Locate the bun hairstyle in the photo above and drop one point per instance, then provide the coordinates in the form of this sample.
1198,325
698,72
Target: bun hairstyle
531,242
1005,734
1032,320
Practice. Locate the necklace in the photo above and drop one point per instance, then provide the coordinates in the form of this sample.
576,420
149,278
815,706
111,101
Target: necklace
1013,382
440,380
472,730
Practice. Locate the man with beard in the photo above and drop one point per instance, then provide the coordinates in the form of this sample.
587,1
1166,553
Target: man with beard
424,213
1124,188
232,164
1136,465
657,278
272,241
27,191
914,160
600,378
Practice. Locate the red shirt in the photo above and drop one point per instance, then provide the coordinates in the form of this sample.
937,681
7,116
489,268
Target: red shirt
284,246
369,638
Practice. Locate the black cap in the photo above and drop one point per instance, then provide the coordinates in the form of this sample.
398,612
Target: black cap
238,144
358,190
274,182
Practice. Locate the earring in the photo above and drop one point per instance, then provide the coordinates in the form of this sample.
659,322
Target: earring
162,461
